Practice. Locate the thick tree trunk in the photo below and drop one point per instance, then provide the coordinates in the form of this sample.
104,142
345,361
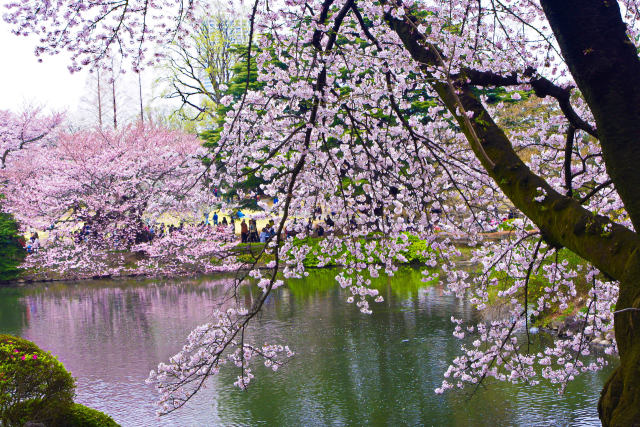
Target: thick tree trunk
619,403
605,65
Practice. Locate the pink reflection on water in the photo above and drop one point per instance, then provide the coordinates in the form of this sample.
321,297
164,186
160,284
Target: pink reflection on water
111,337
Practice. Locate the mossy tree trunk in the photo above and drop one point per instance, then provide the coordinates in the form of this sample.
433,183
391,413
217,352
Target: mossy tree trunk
619,403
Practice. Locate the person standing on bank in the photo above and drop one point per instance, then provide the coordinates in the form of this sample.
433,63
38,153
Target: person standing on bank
244,231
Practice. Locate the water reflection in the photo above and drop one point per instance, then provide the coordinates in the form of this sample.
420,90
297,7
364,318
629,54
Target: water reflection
349,369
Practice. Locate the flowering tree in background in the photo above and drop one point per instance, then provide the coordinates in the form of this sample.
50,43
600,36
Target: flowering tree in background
98,190
21,130
196,248
380,111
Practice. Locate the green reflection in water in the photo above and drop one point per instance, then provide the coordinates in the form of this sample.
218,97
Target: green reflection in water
12,310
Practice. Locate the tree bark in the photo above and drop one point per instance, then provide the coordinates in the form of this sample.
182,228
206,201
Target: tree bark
99,100
605,65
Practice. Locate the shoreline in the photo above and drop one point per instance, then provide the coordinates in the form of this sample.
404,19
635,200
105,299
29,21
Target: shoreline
34,279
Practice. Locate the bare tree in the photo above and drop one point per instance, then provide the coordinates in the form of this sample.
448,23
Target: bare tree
109,86
199,67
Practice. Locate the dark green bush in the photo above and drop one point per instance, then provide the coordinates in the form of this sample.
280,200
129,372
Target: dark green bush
34,386
11,251
83,416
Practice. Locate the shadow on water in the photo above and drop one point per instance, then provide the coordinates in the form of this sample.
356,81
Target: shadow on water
349,369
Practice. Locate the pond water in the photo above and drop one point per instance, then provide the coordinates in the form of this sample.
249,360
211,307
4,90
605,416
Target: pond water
349,368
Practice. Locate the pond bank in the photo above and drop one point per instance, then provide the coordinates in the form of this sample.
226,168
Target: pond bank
247,253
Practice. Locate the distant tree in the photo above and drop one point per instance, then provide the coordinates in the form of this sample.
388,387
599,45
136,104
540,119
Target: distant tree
244,77
23,130
199,66
109,98
109,183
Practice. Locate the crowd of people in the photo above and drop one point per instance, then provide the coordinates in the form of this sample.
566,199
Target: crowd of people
33,244
249,231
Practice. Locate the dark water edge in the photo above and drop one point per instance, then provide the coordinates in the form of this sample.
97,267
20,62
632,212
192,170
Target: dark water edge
349,368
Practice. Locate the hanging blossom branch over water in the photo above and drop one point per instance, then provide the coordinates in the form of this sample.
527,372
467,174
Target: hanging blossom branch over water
208,348
388,156
406,120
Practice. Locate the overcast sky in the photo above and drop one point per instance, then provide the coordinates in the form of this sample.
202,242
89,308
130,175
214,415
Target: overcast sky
23,80
26,82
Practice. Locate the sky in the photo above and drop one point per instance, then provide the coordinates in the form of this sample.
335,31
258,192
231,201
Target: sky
25,81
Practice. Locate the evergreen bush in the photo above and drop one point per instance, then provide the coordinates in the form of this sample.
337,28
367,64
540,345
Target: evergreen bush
83,416
12,253
34,385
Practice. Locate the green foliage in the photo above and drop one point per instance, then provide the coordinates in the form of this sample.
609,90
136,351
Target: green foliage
236,88
83,416
34,385
311,260
500,94
249,257
414,254
12,253
211,138
416,251
507,225
406,281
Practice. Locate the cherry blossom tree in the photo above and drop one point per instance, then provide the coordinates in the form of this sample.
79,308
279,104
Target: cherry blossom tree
20,130
99,191
379,111
191,249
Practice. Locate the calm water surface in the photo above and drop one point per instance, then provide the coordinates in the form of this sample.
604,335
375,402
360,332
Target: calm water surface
349,368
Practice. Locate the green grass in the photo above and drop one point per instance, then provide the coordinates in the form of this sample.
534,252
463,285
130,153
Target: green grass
414,253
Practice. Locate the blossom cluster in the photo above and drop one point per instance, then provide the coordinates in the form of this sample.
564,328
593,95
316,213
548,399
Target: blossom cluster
359,117
208,348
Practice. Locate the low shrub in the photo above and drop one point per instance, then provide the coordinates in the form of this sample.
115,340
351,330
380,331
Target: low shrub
34,385
82,416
